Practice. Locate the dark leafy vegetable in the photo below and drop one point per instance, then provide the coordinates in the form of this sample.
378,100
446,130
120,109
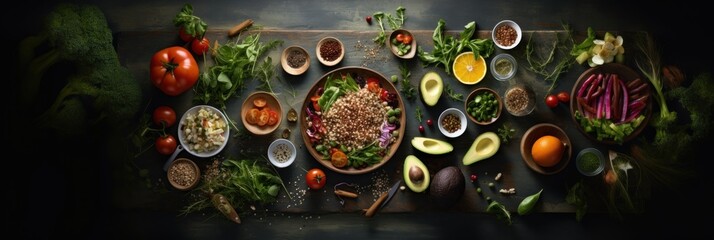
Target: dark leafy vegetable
446,48
528,203
505,132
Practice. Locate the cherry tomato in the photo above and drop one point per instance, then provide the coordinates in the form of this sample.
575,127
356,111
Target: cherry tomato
185,36
407,39
338,158
166,145
551,101
400,37
314,100
374,87
173,70
369,20
315,178
272,117
421,128
563,97
200,46
429,122
384,96
164,116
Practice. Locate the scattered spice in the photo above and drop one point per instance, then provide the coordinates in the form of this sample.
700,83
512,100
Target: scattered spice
516,99
506,35
296,58
451,123
330,50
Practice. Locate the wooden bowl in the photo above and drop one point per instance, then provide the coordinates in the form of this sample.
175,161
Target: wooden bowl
537,131
271,102
365,73
471,97
183,174
289,53
324,61
625,74
393,44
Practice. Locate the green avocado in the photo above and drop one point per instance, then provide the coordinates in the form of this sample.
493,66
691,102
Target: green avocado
431,87
431,146
447,186
416,175
485,146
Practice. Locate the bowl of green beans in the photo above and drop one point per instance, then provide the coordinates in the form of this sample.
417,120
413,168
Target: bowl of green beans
483,106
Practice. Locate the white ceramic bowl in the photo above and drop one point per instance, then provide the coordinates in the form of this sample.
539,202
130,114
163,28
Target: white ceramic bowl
282,152
331,62
515,27
462,120
185,143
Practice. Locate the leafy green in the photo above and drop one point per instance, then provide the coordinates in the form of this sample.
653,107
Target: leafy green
381,37
191,24
453,95
606,129
505,132
235,63
394,23
500,211
367,156
577,197
528,203
650,66
585,45
407,87
446,48
418,114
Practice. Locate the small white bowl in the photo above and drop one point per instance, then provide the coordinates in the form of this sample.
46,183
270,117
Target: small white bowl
515,27
462,122
185,142
331,62
287,156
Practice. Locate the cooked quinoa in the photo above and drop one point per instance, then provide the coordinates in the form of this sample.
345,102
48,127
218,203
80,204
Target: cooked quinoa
354,119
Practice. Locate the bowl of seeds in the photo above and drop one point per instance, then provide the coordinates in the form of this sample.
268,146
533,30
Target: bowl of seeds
282,152
452,122
330,51
183,174
295,60
519,99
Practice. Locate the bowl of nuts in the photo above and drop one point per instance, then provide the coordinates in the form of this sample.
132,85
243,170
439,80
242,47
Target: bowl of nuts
330,51
506,34
452,122
282,152
183,174
483,106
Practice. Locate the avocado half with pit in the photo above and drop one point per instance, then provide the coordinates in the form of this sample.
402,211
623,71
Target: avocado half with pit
416,175
431,87
431,145
485,146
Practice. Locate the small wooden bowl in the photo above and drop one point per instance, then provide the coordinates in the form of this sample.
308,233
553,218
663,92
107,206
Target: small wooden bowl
533,134
272,103
174,174
286,65
395,50
326,62
471,97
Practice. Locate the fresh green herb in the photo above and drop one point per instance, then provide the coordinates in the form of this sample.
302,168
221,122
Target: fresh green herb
528,203
543,65
381,37
505,132
407,87
446,48
190,24
418,114
581,51
453,95
500,210
234,64
650,66
576,197
367,156
400,16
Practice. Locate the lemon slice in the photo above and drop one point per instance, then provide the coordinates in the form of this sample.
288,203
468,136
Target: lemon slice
469,70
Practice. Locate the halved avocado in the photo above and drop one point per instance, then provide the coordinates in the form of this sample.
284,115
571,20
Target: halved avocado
416,175
431,87
431,146
485,146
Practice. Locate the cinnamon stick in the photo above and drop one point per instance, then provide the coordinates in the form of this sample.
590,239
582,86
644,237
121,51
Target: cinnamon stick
372,209
237,28
344,193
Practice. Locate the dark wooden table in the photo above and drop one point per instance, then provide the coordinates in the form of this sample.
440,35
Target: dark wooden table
105,203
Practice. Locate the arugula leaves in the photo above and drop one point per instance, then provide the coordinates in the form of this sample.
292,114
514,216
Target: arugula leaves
446,48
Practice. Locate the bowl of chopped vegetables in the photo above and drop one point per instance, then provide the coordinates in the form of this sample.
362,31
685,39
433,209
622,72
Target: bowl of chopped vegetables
611,103
352,120
203,131
402,44
483,106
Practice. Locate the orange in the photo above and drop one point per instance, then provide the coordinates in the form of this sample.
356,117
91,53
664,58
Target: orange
547,151
468,69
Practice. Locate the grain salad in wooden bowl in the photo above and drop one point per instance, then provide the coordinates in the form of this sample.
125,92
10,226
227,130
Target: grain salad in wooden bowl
352,120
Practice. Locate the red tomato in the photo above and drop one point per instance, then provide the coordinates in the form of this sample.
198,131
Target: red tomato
563,97
272,117
185,36
407,39
252,116
200,46
551,101
400,37
374,87
338,158
164,116
264,117
173,70
166,145
315,178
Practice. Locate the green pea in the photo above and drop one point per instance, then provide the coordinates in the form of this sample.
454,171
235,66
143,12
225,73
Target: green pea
526,206
395,78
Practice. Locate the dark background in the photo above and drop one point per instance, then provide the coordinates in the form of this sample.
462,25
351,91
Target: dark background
61,188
